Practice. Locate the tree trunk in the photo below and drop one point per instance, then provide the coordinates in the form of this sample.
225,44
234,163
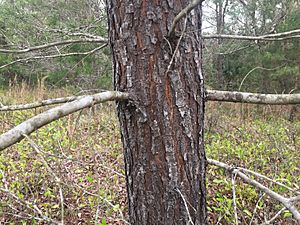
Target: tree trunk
220,18
162,124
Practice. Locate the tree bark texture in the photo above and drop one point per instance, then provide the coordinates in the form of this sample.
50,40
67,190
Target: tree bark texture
162,123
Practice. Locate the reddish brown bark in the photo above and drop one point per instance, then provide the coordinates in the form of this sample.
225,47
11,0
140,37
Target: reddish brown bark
162,124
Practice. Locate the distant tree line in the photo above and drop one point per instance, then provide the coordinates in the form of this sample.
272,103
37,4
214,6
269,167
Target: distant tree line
28,23
240,65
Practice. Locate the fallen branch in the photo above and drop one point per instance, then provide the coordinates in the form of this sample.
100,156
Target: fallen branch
17,133
49,45
254,98
289,203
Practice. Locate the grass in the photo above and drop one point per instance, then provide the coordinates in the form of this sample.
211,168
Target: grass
84,151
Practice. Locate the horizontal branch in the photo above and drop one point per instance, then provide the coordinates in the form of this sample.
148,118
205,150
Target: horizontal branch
247,38
33,105
69,33
269,37
52,56
254,98
17,133
211,95
289,203
53,44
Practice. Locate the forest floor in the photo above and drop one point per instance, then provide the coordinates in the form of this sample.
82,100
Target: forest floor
77,162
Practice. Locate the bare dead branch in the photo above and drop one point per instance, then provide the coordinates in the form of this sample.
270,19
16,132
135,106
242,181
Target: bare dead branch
17,133
269,179
269,37
270,221
176,49
53,56
254,98
233,177
186,207
256,207
243,3
211,95
58,43
247,38
183,13
69,33
289,203
41,103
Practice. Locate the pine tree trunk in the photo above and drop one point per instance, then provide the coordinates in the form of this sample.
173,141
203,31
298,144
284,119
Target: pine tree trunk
162,124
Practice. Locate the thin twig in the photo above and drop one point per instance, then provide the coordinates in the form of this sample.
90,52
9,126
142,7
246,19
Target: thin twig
256,207
28,204
34,105
176,49
269,37
233,177
36,148
43,57
102,198
268,222
49,45
256,68
182,14
69,33
186,207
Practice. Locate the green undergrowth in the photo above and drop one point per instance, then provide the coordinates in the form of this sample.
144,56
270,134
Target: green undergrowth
80,157
268,146
83,151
